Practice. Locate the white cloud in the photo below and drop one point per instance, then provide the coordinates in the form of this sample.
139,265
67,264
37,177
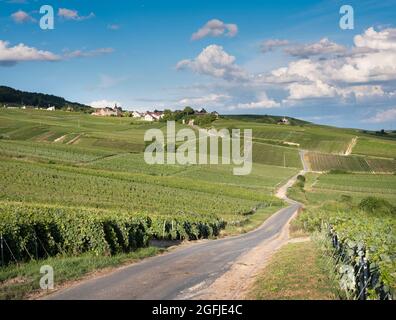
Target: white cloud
12,55
362,73
90,53
383,116
214,61
315,89
324,46
211,100
272,44
381,40
263,102
216,28
364,91
22,17
352,74
69,14
104,103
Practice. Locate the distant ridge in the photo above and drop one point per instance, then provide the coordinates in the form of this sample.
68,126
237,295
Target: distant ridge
265,119
16,98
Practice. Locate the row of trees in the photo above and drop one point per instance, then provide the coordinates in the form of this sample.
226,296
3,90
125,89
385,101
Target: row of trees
201,118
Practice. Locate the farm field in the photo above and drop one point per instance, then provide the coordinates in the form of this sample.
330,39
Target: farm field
375,147
60,167
322,187
325,162
308,137
103,169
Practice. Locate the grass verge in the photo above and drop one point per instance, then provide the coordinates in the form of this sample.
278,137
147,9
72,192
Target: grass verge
23,281
250,222
296,272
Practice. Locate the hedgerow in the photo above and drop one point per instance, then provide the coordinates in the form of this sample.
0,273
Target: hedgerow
36,231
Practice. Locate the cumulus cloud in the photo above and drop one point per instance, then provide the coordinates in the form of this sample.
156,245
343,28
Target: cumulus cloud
322,70
324,46
216,28
69,14
212,100
364,91
10,56
315,89
214,61
90,53
379,40
22,17
272,44
371,60
383,116
104,103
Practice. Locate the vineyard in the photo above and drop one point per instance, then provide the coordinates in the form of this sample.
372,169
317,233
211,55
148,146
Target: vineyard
380,148
31,232
98,195
73,184
363,242
326,162
306,137
276,155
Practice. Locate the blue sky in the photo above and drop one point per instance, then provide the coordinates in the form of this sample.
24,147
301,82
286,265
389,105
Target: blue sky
265,57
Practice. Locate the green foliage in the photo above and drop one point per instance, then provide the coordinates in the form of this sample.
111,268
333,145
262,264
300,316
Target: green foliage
204,120
40,231
188,110
375,205
375,234
35,232
301,178
16,97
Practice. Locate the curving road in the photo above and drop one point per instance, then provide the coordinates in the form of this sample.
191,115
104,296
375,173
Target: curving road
193,271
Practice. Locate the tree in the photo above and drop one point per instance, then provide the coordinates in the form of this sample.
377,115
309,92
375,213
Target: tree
188,110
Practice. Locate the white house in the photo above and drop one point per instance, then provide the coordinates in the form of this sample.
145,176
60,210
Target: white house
149,117
153,116
284,120
137,114
51,108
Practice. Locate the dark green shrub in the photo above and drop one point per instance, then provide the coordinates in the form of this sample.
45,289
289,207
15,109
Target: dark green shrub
373,205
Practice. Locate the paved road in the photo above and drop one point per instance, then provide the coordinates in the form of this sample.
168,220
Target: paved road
169,275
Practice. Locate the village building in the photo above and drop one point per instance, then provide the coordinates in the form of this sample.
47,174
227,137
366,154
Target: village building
284,120
108,112
153,116
137,114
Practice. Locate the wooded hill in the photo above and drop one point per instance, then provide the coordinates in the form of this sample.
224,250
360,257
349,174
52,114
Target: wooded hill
17,98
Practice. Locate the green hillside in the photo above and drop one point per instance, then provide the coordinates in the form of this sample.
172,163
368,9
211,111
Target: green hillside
80,184
13,97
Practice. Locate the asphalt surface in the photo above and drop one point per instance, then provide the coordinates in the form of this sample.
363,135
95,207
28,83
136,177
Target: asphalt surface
169,275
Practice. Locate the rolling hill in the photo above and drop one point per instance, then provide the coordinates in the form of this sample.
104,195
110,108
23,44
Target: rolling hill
13,97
